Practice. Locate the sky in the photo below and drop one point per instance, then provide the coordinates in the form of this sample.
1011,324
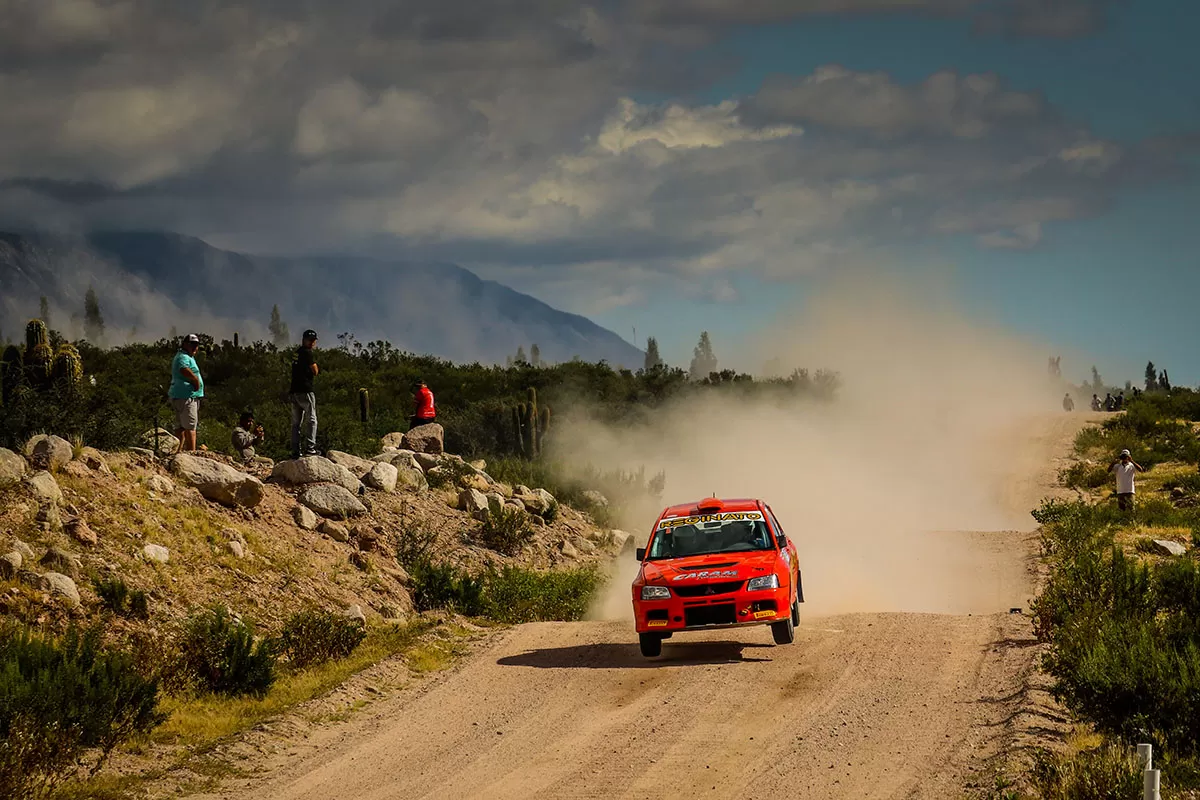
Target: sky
661,166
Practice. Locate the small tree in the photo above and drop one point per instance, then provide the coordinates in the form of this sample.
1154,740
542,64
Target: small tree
519,358
653,360
703,361
1151,377
278,329
1097,381
93,320
1164,382
44,311
535,355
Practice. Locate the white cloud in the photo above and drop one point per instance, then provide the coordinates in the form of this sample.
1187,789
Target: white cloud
677,126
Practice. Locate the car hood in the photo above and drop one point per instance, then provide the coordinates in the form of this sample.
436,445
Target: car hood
709,568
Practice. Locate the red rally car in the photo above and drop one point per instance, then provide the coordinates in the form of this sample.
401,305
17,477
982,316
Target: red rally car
716,564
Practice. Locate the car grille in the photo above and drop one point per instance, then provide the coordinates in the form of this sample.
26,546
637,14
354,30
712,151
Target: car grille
719,614
707,589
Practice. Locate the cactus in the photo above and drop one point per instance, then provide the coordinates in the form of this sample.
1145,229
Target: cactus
235,340
38,355
364,404
67,368
36,333
530,425
12,372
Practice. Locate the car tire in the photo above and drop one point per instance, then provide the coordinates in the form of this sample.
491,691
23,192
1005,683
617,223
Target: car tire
784,632
650,644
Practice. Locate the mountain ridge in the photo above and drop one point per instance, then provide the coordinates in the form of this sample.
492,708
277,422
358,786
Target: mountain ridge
151,281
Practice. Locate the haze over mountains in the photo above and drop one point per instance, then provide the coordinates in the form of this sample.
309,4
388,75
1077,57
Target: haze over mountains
149,282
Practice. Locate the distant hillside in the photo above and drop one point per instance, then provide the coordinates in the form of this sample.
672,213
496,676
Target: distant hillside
150,282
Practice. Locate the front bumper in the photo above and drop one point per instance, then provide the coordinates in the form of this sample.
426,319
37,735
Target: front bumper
732,610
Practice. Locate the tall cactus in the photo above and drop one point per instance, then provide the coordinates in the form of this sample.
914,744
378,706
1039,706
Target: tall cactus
67,369
364,405
12,372
38,355
531,425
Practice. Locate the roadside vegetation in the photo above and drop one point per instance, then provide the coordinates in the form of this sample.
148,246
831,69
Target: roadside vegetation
1120,611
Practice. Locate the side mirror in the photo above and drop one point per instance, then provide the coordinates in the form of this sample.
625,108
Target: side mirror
640,554
782,539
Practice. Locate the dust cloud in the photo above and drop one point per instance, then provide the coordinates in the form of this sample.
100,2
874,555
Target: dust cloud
882,488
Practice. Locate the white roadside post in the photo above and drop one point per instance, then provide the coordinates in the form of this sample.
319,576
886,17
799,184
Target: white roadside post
1150,777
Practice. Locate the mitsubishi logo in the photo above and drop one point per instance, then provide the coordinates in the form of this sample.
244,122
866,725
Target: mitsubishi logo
710,590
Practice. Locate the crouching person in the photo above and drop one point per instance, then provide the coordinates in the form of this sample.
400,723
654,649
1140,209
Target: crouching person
246,436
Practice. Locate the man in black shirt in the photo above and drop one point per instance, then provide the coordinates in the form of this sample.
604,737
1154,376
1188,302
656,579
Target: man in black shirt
304,402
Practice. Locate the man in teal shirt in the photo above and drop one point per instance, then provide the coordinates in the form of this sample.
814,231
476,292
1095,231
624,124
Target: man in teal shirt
187,387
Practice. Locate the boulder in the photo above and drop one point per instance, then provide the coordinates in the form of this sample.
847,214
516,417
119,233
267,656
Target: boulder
94,460
472,500
25,550
411,479
44,488
305,518
334,530
495,502
355,613
534,500
76,469
366,538
331,500
80,532
358,466
475,481
57,560
360,561
428,461
156,553
425,439
167,443
569,550
49,452
584,546
315,469
59,585
1167,547
12,467
217,481
514,503
160,484
392,440
49,518
382,477
595,499
237,549
478,464
621,540
10,565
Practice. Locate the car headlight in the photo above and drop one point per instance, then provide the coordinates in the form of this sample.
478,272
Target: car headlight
764,582
655,593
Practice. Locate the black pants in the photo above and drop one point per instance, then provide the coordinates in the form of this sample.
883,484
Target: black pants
415,421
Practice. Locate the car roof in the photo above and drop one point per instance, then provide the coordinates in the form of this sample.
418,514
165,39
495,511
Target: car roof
727,504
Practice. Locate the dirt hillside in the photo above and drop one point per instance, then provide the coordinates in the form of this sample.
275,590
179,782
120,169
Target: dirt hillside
862,705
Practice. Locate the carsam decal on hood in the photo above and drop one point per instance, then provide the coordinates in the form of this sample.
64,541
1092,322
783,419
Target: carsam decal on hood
732,516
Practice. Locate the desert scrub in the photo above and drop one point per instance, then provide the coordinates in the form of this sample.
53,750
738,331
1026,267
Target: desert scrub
116,596
60,698
510,595
507,529
221,654
1108,772
314,637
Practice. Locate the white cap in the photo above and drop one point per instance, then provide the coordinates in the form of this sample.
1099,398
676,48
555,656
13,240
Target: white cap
1125,453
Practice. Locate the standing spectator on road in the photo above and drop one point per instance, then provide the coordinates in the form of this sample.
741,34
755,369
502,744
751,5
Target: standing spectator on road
423,409
1124,467
1068,402
1097,405
187,387
304,401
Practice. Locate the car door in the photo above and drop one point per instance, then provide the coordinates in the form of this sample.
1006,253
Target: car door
788,553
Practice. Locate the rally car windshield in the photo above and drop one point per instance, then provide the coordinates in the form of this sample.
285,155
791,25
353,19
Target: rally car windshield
710,537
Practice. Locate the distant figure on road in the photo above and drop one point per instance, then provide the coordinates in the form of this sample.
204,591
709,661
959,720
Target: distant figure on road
245,437
1110,403
187,387
1125,467
1068,402
304,401
1097,404
424,411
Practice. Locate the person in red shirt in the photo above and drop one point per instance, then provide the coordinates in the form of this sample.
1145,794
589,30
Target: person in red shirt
423,408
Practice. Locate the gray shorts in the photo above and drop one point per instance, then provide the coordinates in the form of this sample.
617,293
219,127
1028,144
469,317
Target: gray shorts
187,413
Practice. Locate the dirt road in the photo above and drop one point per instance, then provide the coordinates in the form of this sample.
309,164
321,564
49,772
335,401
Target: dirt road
861,706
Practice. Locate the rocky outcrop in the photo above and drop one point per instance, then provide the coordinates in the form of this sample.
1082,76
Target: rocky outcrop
472,501
44,488
357,466
1167,547
156,553
331,500
315,469
12,467
57,560
160,484
49,452
382,477
334,530
392,441
59,585
305,518
167,444
217,481
78,530
398,458
94,460
411,478
425,439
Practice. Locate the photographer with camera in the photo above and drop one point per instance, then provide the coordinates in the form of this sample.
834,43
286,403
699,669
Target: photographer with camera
245,437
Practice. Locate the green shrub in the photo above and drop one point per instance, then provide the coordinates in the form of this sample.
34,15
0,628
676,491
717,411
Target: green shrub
521,595
139,604
314,637
505,530
1081,475
61,697
443,586
221,655
449,473
414,546
118,598
1110,772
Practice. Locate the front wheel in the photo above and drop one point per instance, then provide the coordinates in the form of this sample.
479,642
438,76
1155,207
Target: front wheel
785,632
650,644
